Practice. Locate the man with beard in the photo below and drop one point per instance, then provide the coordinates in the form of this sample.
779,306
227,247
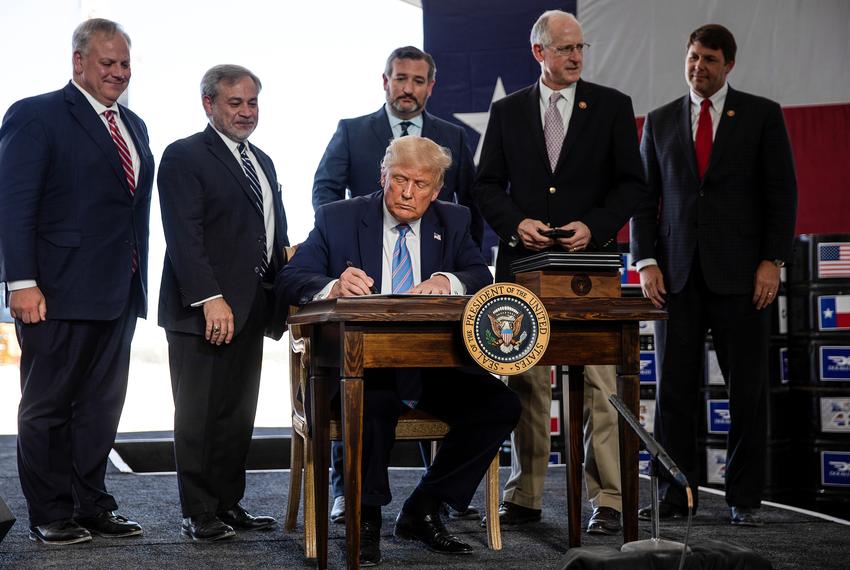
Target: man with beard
352,162
225,230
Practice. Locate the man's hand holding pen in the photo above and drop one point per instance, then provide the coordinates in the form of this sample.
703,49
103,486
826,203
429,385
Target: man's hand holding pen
353,282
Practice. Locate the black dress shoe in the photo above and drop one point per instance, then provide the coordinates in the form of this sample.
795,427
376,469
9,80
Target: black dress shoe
604,520
429,529
468,514
510,513
237,517
110,525
666,511
370,543
59,533
338,510
206,528
744,516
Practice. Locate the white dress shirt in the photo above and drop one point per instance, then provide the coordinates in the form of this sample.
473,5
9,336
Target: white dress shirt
415,128
564,104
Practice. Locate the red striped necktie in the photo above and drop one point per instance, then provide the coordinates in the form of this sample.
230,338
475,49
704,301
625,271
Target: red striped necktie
127,165
123,151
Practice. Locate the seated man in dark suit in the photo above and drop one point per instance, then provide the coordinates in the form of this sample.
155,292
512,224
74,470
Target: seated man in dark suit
403,240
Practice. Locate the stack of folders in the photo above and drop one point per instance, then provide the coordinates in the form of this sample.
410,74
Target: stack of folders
563,261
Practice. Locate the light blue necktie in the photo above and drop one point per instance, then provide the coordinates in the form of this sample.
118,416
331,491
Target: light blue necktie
402,267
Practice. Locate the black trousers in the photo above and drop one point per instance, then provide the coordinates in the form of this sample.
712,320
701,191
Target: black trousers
215,391
480,410
741,335
73,384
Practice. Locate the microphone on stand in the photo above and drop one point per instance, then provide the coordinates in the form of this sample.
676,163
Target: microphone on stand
661,457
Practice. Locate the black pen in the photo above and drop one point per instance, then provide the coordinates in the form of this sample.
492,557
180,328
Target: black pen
372,288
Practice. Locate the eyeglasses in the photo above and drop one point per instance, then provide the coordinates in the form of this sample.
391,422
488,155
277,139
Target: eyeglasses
569,49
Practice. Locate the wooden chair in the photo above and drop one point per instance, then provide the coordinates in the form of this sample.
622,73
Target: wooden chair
413,425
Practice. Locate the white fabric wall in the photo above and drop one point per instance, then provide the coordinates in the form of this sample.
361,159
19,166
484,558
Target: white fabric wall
796,52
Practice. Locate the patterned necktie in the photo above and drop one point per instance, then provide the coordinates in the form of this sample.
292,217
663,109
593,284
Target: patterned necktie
553,130
254,183
123,151
404,125
703,138
127,165
402,266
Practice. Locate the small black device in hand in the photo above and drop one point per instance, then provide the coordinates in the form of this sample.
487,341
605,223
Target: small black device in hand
556,233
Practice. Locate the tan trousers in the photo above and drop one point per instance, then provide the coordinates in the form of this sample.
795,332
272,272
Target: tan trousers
530,441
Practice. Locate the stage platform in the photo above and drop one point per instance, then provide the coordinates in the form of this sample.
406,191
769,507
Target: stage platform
789,538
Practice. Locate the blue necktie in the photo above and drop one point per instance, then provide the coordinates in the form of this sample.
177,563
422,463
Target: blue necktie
254,183
402,267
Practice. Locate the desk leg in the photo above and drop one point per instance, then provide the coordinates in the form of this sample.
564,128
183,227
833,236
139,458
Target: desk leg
628,388
352,435
321,461
573,420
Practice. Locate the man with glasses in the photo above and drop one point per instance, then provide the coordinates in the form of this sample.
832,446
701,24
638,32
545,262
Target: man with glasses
568,152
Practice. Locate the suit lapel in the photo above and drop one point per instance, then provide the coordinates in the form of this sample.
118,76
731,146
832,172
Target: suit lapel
532,107
223,154
686,137
93,125
430,244
370,237
582,108
728,122
380,125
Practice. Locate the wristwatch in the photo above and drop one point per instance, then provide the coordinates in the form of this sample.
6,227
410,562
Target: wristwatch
779,262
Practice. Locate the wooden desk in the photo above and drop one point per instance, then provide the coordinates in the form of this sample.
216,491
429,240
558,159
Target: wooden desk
347,336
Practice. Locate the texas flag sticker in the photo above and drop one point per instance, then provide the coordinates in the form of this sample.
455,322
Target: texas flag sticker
834,312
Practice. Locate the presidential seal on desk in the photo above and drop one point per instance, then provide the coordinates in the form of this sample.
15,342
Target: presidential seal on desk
505,328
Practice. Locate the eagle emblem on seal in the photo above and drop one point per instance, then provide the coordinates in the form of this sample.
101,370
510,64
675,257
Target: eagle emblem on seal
506,327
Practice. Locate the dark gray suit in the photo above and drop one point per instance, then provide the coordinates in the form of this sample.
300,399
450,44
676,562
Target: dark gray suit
353,161
708,238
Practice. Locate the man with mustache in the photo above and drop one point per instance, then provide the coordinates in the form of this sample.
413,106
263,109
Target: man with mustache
225,230
352,162
562,153
709,243
75,186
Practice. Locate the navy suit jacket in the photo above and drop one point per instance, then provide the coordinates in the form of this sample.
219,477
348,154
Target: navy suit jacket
213,233
352,231
353,160
67,218
741,213
598,179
